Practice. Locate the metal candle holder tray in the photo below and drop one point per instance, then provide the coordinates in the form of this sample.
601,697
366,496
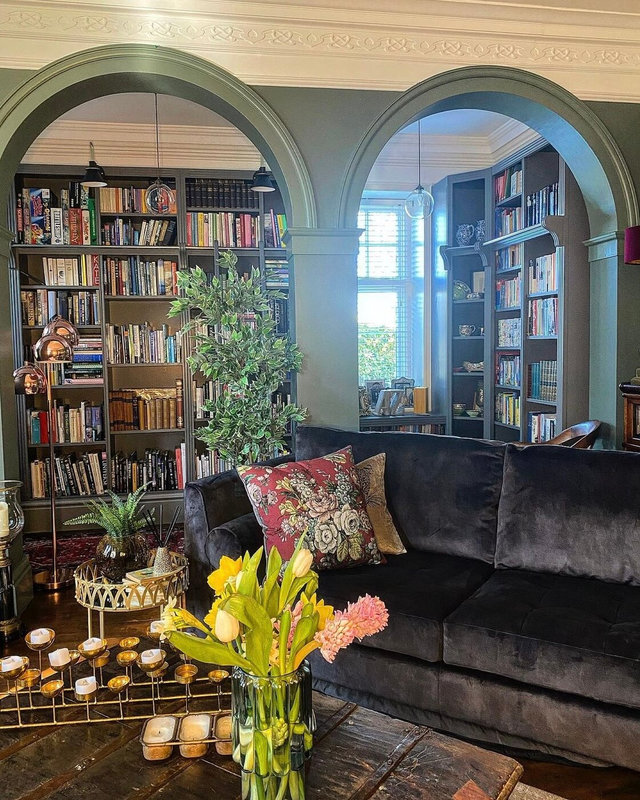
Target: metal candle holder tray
96,683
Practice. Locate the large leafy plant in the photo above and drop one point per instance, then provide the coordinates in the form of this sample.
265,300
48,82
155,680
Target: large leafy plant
119,518
234,342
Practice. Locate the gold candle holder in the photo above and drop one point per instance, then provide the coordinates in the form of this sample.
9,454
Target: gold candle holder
22,664
39,646
61,666
50,690
117,686
29,679
216,676
151,667
86,691
154,635
186,674
92,652
129,643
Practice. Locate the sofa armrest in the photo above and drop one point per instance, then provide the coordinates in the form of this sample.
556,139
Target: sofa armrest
233,539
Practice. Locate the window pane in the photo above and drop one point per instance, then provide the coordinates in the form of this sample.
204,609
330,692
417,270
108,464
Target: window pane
377,335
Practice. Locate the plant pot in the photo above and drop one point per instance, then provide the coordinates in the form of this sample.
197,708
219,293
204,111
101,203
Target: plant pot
117,555
272,732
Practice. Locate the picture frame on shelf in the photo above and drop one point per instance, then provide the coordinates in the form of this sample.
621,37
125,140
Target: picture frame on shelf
374,387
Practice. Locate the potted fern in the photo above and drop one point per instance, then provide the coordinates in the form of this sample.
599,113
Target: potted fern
235,343
123,547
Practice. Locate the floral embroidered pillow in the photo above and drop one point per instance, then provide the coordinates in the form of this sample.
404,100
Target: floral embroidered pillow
320,499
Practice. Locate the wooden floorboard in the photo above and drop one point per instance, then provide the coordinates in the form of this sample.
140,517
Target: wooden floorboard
31,755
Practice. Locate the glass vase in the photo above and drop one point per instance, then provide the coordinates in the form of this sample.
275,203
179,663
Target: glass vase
117,555
10,494
272,732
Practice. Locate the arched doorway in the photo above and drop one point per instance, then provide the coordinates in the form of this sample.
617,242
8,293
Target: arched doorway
600,170
110,70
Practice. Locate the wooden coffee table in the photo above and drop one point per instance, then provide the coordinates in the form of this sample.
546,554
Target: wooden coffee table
358,754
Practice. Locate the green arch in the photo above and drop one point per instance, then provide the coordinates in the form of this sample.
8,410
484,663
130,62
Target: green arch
565,121
112,69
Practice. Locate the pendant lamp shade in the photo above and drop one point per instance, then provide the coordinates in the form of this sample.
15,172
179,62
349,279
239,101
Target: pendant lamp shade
419,204
262,181
29,379
632,245
94,176
63,328
159,198
52,349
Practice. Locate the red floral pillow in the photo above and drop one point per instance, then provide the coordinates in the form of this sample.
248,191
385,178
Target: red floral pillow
320,499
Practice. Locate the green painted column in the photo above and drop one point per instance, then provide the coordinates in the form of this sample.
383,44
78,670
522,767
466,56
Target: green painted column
323,263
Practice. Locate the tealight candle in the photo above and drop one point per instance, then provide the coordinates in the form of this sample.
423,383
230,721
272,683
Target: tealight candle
91,644
149,656
156,626
40,636
159,730
10,662
4,517
59,658
86,685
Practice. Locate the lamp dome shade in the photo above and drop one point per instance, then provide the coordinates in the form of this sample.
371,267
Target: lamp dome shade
29,379
52,349
62,327
632,245
262,181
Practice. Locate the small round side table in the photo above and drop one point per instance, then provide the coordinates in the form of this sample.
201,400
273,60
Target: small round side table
95,593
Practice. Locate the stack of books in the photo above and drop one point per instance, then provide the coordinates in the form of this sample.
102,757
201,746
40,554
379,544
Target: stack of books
159,469
133,276
75,475
43,219
146,409
39,305
80,424
142,344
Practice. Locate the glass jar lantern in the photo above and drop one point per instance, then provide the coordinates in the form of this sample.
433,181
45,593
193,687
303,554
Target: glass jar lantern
11,513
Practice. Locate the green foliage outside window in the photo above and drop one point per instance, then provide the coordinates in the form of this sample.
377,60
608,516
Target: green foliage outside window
377,353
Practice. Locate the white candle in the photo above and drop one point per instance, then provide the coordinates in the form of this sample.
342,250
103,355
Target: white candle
195,727
159,730
59,658
39,636
86,685
156,626
10,662
149,656
92,644
4,517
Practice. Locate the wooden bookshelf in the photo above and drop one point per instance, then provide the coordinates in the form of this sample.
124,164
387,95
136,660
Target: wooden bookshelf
120,308
536,304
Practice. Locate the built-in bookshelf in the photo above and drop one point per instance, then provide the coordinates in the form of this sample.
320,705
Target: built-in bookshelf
533,341
101,259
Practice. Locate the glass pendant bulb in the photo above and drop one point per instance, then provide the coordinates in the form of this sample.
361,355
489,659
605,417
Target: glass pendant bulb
419,204
159,198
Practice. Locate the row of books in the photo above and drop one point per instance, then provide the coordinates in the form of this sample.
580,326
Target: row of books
83,270
543,275
279,310
210,463
276,274
203,394
541,203
86,368
508,220
508,293
39,305
540,426
84,423
133,276
507,408
508,183
220,193
145,233
120,199
543,380
542,317
146,409
509,257
42,219
227,228
275,226
142,344
509,332
435,429
508,369
75,475
159,470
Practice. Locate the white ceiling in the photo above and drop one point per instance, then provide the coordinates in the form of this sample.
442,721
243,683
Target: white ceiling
461,122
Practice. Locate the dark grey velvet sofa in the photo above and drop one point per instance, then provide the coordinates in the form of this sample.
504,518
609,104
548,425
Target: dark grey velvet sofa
515,613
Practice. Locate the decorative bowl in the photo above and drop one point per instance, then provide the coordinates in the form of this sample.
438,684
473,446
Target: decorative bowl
458,409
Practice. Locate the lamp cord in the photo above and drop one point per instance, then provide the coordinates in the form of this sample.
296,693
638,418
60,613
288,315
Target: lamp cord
155,102
419,155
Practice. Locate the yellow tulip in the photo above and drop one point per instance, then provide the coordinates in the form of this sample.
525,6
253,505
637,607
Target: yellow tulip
302,563
210,618
226,627
228,569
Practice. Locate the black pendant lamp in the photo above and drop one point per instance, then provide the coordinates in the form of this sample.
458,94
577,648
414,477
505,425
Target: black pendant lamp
262,181
94,176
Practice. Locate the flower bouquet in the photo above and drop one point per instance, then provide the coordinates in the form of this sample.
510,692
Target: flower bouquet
265,630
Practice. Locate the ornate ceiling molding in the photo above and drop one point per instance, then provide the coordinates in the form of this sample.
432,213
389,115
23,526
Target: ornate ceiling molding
283,43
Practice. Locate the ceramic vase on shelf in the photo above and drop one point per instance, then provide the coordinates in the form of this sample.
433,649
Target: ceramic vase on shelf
465,234
272,732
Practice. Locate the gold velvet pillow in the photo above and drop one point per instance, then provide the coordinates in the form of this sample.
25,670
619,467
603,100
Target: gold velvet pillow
371,477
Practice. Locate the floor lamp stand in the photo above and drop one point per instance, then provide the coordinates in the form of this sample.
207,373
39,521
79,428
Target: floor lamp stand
57,577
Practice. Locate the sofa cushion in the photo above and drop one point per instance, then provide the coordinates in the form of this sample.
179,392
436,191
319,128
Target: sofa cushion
419,589
571,634
371,477
442,491
571,512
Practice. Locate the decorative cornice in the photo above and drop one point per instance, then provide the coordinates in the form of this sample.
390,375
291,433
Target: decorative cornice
294,44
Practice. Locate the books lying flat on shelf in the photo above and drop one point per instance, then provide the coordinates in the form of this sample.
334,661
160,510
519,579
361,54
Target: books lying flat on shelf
509,332
118,200
220,193
80,424
540,426
543,381
146,409
162,470
39,305
542,317
543,276
508,293
142,344
227,228
75,475
133,276
507,410
83,270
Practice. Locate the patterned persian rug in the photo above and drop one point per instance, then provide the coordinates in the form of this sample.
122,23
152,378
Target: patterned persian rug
524,792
